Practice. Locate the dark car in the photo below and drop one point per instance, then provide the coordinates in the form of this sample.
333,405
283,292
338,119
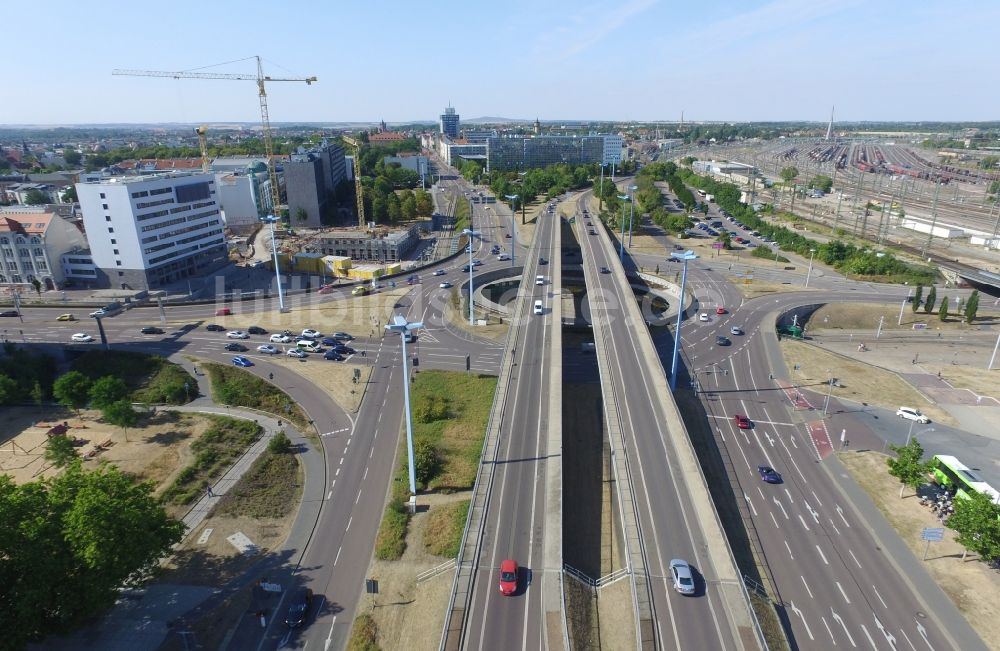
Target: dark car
151,330
542,261
507,235
214,327
333,355
343,336
10,313
344,350
256,330
769,474
605,270
330,341
298,608
236,348
722,341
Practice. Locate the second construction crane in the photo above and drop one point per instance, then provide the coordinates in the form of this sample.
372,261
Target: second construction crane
358,190
265,120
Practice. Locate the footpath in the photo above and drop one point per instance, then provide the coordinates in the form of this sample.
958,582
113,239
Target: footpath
142,619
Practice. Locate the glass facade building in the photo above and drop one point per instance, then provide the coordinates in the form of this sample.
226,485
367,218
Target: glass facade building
539,151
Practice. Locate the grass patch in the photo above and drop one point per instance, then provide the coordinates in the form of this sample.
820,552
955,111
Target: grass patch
236,387
150,378
444,527
767,253
215,450
391,540
364,635
270,489
454,408
462,214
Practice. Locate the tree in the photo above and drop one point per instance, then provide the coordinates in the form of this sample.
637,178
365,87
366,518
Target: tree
301,214
821,182
408,207
995,187
426,461
977,521
917,297
121,414
943,310
907,466
989,162
789,173
35,197
8,390
71,542
392,207
37,284
425,204
107,390
72,157
972,306
931,300
279,444
72,390
37,394
69,196
60,451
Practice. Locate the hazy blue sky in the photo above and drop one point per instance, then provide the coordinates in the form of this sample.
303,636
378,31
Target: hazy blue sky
553,59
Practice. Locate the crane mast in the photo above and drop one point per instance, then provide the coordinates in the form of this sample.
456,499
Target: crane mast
357,179
265,120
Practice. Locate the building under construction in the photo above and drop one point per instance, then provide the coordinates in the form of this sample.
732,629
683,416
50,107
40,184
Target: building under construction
379,245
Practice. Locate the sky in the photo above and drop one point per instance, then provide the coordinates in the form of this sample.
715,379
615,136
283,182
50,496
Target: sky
402,61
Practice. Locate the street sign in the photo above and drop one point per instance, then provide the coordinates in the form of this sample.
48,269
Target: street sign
933,534
371,586
716,245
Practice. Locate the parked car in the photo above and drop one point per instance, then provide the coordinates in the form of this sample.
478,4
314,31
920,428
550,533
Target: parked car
296,352
267,349
277,338
682,576
240,360
237,334
298,608
343,336
81,337
309,333
909,413
333,355
769,474
234,347
344,350
508,577
151,330
742,421
214,327
65,317
256,330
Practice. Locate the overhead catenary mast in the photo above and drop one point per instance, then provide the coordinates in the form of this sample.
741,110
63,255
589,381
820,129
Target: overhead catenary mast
829,127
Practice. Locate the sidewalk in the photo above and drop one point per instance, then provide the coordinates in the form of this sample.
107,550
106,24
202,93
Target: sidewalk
142,619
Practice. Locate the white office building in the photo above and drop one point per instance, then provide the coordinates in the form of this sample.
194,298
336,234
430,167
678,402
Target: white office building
613,145
151,231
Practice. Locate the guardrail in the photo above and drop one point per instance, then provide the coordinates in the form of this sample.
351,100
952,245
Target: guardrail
434,571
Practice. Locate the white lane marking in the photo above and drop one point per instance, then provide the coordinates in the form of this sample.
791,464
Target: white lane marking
349,521
750,504
789,494
828,631
840,512
782,507
803,521
799,613
857,562
868,635
337,558
843,594
329,495
821,555
889,637
812,512
329,635
837,618
358,498
807,587
774,520
907,638
875,590
817,497
790,554
365,476
834,526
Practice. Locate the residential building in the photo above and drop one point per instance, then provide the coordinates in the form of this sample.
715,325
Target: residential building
245,196
449,122
366,245
414,162
310,178
384,137
479,136
146,232
520,152
31,247
453,152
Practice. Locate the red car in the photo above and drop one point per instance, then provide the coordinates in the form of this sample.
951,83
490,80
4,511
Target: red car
223,312
742,421
508,577
720,310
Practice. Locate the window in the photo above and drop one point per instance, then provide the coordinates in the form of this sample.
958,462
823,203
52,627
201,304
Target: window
37,251
107,218
118,263
111,230
4,240
104,205
114,241
116,251
121,273
102,196
36,240
23,252
160,191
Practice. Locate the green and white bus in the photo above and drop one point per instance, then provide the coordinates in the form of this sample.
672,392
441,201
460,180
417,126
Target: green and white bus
958,478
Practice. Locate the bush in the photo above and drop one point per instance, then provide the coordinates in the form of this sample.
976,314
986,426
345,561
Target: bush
391,540
215,450
149,378
426,461
279,444
269,489
364,635
428,409
234,386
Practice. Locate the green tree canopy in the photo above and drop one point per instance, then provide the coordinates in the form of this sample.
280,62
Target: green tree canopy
977,522
917,298
121,414
972,306
8,390
63,551
72,390
60,451
107,390
35,197
821,182
789,173
72,157
931,300
907,466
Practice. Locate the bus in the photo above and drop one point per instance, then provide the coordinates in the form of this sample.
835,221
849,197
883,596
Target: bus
958,478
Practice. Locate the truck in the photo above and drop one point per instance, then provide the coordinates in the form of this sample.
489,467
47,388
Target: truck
710,198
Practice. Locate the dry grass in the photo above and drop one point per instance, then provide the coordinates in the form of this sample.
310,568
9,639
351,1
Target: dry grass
444,527
493,331
616,617
972,586
860,382
866,316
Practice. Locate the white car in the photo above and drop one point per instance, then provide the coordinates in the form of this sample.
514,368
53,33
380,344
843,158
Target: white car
309,333
445,285
97,313
476,262
295,352
909,413
439,272
237,334
539,280
538,307
82,337
503,256
703,316
280,339
267,349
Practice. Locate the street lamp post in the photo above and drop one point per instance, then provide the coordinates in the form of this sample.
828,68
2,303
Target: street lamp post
621,241
812,252
829,391
470,234
403,327
631,213
683,257
270,219
513,233
522,175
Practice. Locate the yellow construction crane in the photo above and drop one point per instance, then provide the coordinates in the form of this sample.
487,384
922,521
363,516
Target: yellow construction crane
203,143
260,78
357,179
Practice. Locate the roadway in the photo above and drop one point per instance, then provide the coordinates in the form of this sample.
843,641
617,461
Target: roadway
669,525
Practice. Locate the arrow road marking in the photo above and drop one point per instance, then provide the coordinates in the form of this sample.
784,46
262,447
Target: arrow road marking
888,636
750,504
837,618
789,494
923,634
840,512
803,521
781,506
799,613
812,512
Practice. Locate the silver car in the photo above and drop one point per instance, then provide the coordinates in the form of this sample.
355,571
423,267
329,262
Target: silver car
683,578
